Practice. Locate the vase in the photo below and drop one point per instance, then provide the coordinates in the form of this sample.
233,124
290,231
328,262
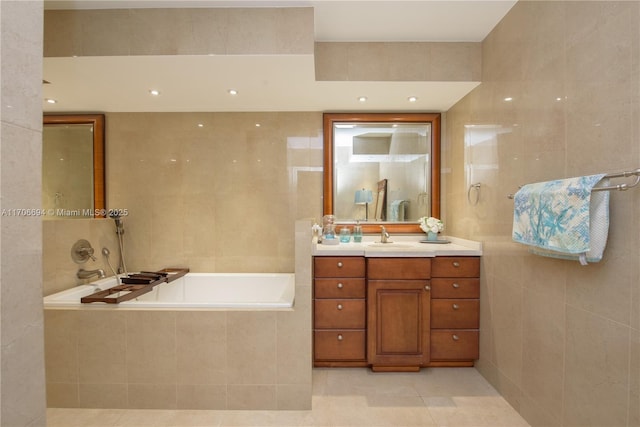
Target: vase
432,236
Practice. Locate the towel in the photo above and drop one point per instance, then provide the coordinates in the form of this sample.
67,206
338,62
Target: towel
563,218
397,210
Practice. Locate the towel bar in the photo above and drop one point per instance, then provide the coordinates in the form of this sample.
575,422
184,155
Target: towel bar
619,187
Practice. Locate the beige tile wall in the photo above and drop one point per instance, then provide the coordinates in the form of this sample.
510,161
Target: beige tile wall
558,340
110,358
199,31
22,399
219,198
59,235
398,61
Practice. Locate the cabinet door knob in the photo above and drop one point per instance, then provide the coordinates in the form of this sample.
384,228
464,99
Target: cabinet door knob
340,337
339,264
455,337
456,285
455,306
340,285
339,306
427,288
456,264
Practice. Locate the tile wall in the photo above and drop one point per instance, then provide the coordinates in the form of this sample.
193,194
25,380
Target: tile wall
164,359
560,97
22,398
223,197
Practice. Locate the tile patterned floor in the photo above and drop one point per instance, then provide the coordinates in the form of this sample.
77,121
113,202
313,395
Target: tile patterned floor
442,397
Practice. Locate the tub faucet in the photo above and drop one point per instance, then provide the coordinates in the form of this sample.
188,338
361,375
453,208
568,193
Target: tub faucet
86,274
384,236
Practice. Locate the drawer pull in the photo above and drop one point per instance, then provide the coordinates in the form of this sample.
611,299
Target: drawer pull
339,306
340,285
339,264
455,306
455,337
427,288
456,264
456,285
340,337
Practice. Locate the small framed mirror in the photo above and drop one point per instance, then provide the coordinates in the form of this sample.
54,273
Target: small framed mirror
73,170
394,156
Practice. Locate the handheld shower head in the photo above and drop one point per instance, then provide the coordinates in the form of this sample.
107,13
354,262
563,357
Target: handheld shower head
106,252
119,226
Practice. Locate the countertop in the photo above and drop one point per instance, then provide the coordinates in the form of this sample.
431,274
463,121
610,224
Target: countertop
402,246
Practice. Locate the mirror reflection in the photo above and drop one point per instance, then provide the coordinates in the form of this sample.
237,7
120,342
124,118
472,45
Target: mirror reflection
384,167
73,166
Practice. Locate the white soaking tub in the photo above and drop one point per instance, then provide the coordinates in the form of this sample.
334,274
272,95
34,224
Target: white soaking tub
230,291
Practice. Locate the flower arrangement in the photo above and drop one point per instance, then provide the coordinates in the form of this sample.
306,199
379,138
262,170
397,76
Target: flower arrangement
431,224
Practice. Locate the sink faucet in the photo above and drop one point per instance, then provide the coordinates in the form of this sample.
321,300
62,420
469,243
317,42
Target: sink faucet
86,274
384,236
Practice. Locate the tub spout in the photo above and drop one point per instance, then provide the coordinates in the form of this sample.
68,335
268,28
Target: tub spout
86,274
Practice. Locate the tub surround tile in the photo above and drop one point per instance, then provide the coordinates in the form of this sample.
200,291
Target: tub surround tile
249,334
201,343
151,396
101,349
151,347
62,395
250,396
102,395
60,344
202,396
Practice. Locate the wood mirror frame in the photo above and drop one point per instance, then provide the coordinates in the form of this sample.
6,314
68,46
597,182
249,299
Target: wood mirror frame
328,161
98,122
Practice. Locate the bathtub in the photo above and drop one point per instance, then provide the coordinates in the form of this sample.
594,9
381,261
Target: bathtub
229,291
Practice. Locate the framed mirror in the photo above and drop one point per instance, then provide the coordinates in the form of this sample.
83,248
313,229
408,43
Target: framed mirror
73,171
393,156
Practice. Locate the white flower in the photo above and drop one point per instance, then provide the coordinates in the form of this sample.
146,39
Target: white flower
432,224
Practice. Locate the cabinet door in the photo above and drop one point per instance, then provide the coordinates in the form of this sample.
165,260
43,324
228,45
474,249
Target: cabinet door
398,323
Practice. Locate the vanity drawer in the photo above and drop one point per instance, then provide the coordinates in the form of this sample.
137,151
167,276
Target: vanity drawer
454,344
340,313
455,313
448,266
338,266
398,268
455,288
339,288
339,344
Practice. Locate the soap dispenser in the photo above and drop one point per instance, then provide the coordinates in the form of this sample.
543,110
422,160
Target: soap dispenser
357,232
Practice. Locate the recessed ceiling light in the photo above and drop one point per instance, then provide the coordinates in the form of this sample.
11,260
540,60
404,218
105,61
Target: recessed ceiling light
362,98
50,101
412,98
508,99
154,92
232,92
257,125
200,125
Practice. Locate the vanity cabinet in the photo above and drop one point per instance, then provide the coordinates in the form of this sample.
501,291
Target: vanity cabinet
339,304
455,311
396,313
398,307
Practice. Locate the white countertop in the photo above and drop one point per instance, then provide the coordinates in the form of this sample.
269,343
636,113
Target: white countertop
402,246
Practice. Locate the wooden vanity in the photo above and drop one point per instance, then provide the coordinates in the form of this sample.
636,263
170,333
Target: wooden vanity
396,313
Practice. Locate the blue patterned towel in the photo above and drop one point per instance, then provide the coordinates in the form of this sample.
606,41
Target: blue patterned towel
562,218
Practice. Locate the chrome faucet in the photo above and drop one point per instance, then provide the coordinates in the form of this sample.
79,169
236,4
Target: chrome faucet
86,274
384,236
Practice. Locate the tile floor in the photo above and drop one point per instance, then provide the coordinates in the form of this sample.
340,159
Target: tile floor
451,397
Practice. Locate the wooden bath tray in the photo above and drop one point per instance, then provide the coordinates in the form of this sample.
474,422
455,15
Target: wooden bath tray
134,285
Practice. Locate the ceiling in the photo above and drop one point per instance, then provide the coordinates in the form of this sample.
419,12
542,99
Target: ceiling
284,83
